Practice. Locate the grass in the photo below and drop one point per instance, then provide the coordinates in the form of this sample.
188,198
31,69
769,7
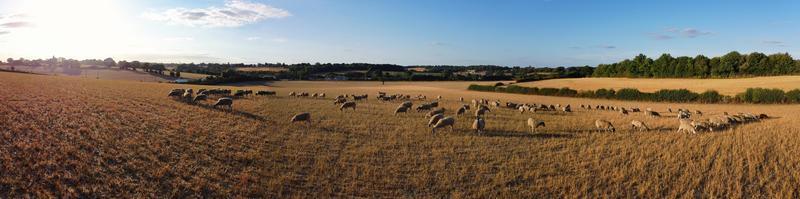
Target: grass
724,86
75,137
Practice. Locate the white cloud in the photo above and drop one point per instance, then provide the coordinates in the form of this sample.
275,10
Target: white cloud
235,13
672,33
280,40
179,39
775,43
252,38
15,21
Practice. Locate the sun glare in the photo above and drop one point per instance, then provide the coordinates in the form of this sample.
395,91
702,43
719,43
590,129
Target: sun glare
82,28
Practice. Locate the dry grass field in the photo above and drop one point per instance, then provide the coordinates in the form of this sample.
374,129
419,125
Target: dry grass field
724,86
76,137
105,73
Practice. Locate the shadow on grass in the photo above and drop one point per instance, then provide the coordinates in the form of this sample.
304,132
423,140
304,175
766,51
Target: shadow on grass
224,109
519,134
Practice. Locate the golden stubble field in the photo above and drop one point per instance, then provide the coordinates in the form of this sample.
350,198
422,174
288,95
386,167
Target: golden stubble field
729,87
62,136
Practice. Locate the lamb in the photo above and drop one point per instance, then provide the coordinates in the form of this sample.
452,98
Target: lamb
535,124
348,105
636,124
478,125
400,109
447,121
434,119
434,112
302,117
603,125
686,126
225,101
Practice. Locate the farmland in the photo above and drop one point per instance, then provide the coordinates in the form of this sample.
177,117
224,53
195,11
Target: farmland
66,136
724,86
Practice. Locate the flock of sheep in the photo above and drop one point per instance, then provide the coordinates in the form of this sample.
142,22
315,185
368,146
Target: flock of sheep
436,115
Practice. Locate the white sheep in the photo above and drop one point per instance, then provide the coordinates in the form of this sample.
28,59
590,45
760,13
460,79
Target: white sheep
447,121
225,101
604,125
535,124
478,125
348,105
636,124
435,118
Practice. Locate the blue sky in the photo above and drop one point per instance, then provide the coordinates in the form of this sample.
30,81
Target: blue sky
410,32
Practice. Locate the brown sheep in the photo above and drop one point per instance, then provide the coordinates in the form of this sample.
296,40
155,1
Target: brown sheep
603,125
434,112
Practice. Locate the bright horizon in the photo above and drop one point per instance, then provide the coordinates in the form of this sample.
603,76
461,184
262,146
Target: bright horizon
513,33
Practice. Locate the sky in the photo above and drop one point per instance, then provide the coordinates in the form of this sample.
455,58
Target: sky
406,32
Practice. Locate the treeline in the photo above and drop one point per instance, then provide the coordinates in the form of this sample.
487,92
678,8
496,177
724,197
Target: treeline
732,64
751,95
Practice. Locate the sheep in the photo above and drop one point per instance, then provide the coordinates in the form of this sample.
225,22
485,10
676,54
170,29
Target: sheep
439,97
434,119
566,109
176,92
339,101
200,97
225,101
698,112
348,105
686,126
481,111
636,124
434,112
623,111
302,117
461,99
461,110
683,114
423,107
400,109
434,104
603,125
521,109
535,124
188,95
702,125
265,93
407,104
465,106
447,121
478,125
652,113
763,116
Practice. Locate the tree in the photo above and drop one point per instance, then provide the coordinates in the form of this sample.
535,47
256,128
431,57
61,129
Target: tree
109,62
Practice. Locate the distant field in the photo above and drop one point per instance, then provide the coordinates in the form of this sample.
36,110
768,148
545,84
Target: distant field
105,73
82,137
270,69
724,86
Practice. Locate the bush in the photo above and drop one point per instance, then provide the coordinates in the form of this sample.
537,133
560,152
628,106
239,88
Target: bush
710,96
762,96
629,94
793,96
605,93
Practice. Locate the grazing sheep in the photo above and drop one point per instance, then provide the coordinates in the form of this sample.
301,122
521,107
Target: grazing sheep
400,109
188,95
301,117
686,126
702,125
465,106
339,101
603,125
434,112
434,104
434,119
478,125
461,110
265,93
535,124
439,97
683,114
636,124
225,101
407,104
481,111
623,111
176,92
652,113
447,121
348,105
566,109
763,116
521,109
461,99
698,112
201,97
